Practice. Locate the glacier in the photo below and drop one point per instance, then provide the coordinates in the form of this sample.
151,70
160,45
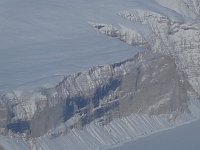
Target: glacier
96,74
45,41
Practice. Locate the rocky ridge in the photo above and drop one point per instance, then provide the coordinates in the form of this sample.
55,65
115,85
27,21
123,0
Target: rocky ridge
162,80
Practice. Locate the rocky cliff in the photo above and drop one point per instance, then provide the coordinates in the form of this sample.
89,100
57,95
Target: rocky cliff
148,83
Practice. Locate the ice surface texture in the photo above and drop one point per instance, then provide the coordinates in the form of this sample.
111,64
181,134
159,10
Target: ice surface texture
100,107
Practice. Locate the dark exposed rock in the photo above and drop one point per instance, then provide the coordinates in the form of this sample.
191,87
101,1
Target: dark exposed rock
104,90
67,107
19,126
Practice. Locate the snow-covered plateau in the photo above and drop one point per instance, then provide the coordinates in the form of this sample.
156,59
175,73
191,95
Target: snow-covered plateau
90,74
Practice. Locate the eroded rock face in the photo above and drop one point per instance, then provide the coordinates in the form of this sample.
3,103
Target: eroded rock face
157,88
175,36
149,83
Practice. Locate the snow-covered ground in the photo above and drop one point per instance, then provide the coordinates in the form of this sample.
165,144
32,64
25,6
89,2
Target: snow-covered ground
182,138
41,41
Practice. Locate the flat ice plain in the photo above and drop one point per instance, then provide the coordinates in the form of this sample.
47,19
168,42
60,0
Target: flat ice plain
42,41
185,137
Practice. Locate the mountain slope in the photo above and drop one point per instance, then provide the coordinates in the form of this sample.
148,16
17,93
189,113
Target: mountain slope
157,89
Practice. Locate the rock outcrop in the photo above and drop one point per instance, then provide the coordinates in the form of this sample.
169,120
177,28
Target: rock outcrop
148,84
163,80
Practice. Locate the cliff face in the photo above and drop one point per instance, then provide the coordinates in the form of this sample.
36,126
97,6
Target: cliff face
148,84
145,84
